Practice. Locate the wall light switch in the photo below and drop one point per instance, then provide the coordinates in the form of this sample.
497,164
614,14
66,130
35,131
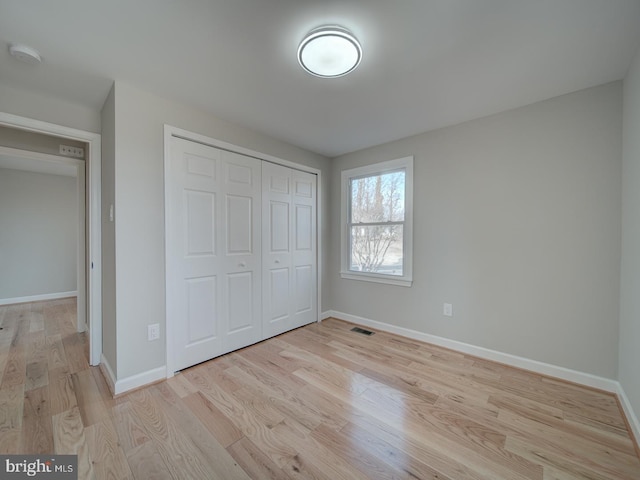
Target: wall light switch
447,310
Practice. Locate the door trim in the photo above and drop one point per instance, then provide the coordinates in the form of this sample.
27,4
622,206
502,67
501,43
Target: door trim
171,131
93,210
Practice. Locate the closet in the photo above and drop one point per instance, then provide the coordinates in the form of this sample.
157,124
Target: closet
241,251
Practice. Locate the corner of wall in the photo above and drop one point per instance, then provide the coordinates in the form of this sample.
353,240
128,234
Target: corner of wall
108,374
629,354
630,415
120,386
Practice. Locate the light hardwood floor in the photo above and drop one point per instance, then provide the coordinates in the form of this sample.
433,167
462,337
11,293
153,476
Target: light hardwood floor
320,402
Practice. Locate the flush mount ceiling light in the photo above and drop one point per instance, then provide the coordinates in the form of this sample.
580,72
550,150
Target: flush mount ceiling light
24,53
329,51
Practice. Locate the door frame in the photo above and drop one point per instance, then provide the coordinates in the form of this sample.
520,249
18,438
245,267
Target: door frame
93,177
171,131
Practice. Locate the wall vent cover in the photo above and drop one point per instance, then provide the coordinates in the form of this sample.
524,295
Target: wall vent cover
362,331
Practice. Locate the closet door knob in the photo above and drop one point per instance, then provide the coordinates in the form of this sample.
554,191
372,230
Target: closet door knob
243,264
277,261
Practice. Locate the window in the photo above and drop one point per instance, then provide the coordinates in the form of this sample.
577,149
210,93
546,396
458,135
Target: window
377,222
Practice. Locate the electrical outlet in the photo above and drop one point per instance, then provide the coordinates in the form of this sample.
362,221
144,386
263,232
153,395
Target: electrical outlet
69,151
153,332
447,310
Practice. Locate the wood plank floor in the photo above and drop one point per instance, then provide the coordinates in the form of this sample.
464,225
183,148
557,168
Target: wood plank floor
320,402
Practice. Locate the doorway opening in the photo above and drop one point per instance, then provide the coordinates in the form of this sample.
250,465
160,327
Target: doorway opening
42,213
33,154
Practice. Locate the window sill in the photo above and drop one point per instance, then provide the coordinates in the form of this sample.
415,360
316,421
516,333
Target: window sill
368,277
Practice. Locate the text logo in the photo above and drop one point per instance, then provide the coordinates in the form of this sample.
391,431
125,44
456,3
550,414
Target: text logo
51,467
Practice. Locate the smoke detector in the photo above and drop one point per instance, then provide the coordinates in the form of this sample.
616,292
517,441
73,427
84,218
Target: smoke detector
25,53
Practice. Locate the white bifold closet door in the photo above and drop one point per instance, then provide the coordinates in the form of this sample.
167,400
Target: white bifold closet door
289,280
214,245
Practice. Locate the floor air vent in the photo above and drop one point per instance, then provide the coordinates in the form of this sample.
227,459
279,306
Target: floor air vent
362,331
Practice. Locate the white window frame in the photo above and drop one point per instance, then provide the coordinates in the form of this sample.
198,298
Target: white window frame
405,164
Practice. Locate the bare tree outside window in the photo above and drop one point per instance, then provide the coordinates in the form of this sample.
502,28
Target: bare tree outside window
376,223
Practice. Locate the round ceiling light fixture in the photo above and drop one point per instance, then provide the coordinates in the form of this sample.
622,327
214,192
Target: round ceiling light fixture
329,51
25,53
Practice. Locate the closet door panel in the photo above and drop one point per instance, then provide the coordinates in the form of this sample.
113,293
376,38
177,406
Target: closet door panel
278,295
239,225
193,263
242,259
304,254
279,225
304,289
276,249
289,252
304,228
202,316
200,207
240,288
213,252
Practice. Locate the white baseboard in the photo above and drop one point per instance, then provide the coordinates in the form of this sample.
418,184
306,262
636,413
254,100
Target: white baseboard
634,423
118,387
108,374
506,358
327,314
140,380
38,298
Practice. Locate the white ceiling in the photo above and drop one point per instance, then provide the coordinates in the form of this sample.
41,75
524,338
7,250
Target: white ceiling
426,63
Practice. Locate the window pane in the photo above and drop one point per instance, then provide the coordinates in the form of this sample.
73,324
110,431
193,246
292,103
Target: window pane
376,249
378,198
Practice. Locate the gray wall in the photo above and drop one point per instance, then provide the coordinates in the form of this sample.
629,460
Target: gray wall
109,339
48,109
517,224
630,264
38,234
139,211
